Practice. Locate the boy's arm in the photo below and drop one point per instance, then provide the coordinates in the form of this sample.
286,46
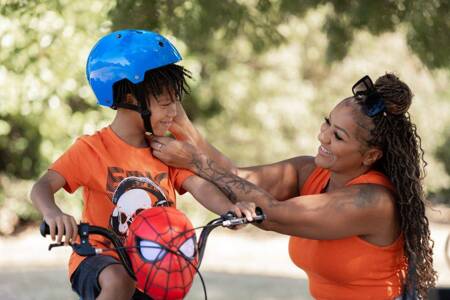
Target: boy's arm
42,195
212,198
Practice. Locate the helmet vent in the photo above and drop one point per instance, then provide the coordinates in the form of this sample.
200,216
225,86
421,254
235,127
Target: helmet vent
161,44
119,35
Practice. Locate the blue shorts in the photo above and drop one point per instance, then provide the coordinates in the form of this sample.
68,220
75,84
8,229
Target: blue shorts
85,278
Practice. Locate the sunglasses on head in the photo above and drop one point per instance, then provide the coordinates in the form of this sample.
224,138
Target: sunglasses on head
371,100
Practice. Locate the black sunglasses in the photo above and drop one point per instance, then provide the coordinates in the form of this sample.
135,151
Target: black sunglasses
371,100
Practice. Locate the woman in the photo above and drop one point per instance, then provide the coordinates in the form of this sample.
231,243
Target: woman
355,212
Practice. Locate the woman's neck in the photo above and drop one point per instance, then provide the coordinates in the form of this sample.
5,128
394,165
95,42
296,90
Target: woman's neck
339,180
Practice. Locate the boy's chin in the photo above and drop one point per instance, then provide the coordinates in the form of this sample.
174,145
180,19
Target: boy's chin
161,133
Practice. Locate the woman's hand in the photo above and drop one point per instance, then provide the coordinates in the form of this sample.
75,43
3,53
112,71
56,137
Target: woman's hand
172,152
243,209
182,128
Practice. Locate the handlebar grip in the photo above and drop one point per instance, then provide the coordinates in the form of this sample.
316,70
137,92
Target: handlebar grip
44,229
260,216
230,219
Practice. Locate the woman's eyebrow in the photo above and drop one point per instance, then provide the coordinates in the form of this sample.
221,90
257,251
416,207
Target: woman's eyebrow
339,128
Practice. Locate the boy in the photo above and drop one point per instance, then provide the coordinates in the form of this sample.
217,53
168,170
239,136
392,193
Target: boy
134,72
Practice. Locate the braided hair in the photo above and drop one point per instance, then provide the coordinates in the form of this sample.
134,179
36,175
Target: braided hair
403,162
171,77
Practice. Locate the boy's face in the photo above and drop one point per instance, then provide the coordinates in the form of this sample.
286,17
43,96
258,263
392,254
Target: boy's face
163,110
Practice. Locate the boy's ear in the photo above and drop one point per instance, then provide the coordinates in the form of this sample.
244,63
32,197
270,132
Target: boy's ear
130,99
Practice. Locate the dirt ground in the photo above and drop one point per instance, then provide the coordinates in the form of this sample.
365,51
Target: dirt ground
236,265
50,283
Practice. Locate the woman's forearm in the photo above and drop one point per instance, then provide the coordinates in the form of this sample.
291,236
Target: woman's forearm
184,130
238,189
234,187
221,159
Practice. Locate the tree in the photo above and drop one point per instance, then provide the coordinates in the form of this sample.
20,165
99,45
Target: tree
260,67
201,23
443,154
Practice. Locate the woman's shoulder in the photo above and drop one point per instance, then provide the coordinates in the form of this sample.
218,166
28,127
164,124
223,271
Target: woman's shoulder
305,166
373,177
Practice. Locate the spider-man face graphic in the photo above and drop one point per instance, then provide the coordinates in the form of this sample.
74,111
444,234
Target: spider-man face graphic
161,244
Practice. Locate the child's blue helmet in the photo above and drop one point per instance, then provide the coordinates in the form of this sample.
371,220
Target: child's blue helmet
126,54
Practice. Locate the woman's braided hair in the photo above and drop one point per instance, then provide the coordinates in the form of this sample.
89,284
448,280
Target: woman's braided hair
403,162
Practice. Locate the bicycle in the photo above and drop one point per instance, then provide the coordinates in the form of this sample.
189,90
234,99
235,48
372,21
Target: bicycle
141,257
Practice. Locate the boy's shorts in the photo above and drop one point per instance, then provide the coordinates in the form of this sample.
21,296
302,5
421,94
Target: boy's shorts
85,278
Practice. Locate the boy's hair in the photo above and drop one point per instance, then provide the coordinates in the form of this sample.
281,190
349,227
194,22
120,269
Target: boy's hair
173,77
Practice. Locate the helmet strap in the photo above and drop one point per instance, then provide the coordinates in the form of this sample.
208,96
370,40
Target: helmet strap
146,114
143,111
127,106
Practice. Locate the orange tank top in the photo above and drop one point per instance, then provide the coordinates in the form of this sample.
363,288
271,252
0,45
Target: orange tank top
349,268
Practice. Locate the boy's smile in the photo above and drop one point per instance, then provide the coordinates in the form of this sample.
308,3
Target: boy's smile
164,110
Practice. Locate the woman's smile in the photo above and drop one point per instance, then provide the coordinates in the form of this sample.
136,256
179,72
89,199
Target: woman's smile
323,151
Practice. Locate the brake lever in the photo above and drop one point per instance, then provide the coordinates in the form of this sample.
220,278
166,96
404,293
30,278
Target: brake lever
234,222
83,249
80,249
54,245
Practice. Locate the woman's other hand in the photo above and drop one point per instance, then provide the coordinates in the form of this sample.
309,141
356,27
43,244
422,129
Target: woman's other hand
243,209
182,128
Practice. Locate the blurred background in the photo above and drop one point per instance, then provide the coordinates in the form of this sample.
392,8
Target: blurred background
265,73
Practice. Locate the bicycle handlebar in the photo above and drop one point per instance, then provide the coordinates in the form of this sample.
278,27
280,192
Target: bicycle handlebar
230,219
227,220
85,248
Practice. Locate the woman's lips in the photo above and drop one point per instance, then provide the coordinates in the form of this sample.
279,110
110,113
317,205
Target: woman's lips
324,151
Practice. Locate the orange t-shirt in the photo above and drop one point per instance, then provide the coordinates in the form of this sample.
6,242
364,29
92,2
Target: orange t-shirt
118,180
349,268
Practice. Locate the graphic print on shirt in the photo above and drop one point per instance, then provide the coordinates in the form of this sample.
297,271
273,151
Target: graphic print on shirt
116,175
132,195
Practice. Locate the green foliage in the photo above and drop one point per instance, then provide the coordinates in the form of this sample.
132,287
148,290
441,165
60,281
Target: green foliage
262,77
443,155
20,140
202,23
426,22
207,30
43,47
443,151
46,101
